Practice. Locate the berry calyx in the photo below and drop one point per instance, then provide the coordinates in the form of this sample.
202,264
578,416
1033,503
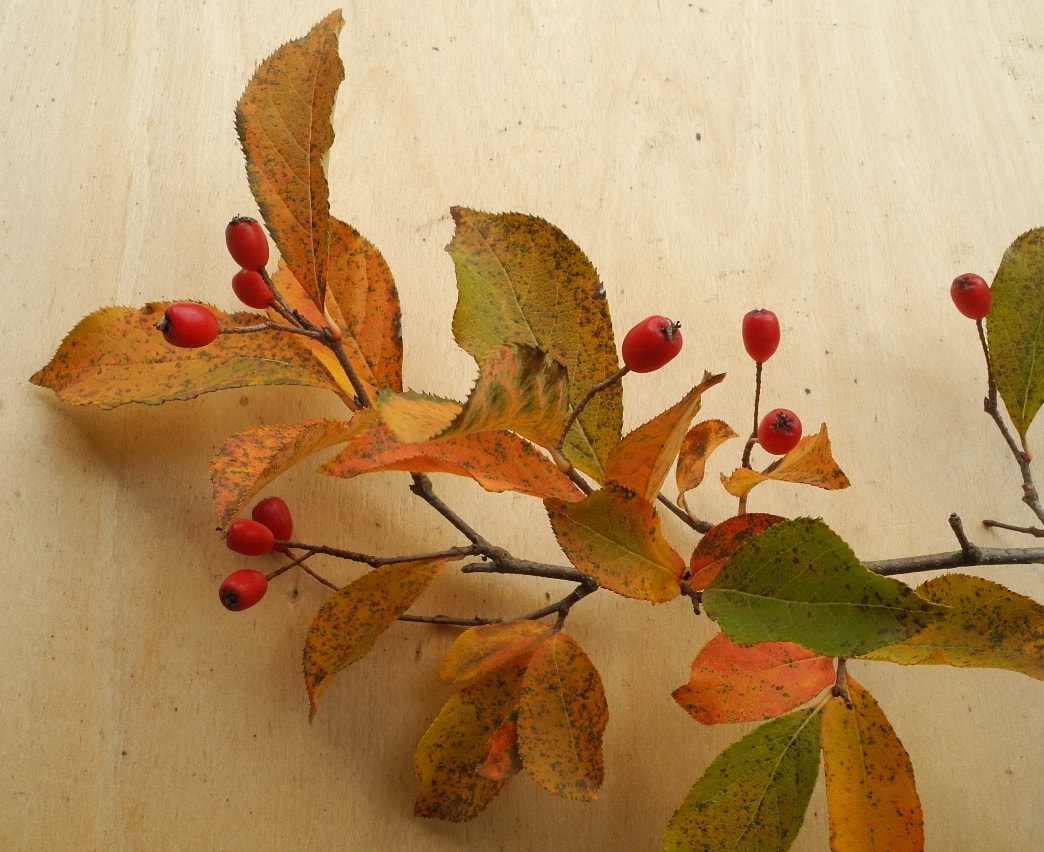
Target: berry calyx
651,344
251,288
189,325
779,431
242,589
274,514
760,334
249,537
247,242
971,294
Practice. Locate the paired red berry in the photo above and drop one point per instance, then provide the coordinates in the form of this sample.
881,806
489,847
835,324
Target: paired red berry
971,294
779,431
760,334
651,344
249,537
275,514
247,242
251,288
242,589
189,325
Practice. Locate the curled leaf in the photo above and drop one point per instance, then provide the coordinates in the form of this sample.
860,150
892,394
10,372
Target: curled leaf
699,442
809,463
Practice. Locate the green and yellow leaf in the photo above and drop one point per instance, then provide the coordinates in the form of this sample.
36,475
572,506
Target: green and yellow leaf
810,463
721,541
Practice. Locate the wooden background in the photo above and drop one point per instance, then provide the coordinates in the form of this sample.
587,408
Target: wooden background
839,162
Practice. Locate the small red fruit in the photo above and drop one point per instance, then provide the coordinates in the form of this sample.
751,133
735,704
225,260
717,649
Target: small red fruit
251,288
247,242
274,514
651,344
242,589
779,431
249,537
971,294
760,334
189,325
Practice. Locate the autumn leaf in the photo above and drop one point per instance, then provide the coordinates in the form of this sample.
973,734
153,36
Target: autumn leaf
699,442
798,581
479,650
987,626
457,746
615,536
755,793
809,463
283,122
498,461
415,418
349,623
1015,326
562,715
520,280
870,788
249,460
501,760
730,683
721,541
117,355
641,461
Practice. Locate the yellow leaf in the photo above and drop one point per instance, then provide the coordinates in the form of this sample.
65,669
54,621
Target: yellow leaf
809,463
870,789
413,418
479,650
700,441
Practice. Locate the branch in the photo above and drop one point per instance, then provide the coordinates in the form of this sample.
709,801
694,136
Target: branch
958,559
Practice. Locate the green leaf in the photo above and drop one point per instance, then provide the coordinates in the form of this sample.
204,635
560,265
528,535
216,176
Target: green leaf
798,581
1016,328
754,794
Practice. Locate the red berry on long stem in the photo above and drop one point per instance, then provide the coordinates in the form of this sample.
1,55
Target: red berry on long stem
249,537
971,294
189,325
760,334
247,242
251,288
779,431
651,344
242,589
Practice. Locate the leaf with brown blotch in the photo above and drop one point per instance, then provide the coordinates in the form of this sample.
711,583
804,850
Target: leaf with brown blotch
349,623
520,280
641,461
870,789
614,535
730,683
501,760
498,461
562,714
283,122
809,463
479,650
721,541
455,747
251,459
699,442
116,356
988,626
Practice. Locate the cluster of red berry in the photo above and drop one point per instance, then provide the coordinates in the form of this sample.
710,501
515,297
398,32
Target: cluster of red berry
269,524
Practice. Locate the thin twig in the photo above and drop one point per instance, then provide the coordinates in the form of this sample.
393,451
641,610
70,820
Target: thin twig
958,559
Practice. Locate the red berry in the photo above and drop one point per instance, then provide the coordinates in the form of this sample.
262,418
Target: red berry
189,325
971,294
651,344
275,514
247,242
251,288
249,537
779,431
242,589
760,334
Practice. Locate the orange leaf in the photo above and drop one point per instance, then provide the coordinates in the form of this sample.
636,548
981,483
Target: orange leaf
869,779
116,355
730,683
700,441
479,650
249,460
283,121
809,463
501,760
562,716
721,542
640,461
349,623
615,536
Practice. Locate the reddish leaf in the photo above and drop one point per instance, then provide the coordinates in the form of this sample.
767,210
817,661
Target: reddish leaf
479,650
700,441
869,779
502,760
809,463
721,542
283,121
730,683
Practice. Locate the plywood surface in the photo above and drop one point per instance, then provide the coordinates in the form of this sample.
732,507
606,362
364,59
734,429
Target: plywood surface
838,162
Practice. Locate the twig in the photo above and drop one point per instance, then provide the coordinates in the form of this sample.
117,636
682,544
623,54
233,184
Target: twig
958,559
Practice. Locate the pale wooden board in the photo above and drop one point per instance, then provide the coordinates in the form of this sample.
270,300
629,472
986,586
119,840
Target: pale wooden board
838,162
